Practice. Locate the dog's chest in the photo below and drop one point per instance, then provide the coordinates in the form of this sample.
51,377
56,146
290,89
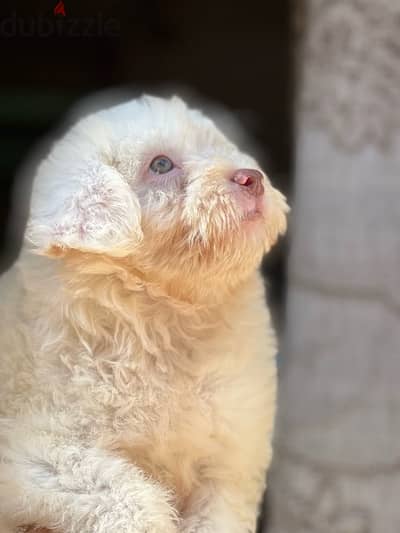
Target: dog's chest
186,428
183,433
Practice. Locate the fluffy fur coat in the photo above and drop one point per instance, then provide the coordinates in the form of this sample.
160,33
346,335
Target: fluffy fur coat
137,355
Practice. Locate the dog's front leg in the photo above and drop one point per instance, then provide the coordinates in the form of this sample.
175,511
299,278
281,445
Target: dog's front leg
50,482
220,508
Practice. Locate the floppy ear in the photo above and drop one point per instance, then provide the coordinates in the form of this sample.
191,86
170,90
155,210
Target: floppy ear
91,208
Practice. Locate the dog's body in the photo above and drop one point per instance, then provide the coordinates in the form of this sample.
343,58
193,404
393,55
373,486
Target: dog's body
136,352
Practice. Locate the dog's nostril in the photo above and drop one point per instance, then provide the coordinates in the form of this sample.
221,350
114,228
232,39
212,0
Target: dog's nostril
245,180
242,178
251,179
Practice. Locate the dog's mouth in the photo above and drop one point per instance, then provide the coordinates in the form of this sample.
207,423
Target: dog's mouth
252,209
253,215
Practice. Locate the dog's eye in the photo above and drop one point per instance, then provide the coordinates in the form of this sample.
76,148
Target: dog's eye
161,164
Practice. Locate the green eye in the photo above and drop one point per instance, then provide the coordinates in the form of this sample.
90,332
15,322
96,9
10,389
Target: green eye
161,164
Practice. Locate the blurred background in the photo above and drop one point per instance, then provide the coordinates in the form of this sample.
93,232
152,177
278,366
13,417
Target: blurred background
316,85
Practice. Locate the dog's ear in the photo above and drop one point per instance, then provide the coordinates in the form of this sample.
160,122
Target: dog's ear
90,207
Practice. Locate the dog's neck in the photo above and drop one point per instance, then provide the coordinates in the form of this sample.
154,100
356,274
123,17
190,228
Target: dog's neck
111,319
110,306
206,292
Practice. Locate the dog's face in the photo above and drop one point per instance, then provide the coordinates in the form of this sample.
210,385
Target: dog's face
156,182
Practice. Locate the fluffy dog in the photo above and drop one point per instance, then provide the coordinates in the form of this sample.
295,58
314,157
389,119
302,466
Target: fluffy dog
136,352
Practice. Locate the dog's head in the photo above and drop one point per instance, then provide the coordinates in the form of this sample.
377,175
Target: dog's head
158,183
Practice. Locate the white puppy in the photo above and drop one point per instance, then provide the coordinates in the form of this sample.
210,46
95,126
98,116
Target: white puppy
136,352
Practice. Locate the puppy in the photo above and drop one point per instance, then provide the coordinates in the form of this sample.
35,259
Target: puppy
137,357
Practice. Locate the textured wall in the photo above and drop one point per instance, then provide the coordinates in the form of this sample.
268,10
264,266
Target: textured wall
337,467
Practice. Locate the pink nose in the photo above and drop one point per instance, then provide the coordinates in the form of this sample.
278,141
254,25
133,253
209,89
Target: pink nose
250,180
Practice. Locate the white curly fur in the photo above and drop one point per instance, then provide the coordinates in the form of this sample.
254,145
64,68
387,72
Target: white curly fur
136,352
